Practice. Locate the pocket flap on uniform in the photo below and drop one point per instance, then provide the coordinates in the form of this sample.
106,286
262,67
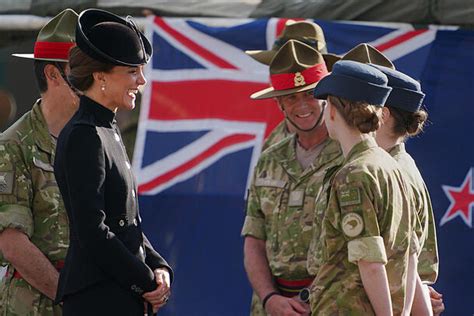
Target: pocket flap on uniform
42,165
263,182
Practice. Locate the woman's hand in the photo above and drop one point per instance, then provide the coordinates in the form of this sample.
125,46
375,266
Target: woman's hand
161,294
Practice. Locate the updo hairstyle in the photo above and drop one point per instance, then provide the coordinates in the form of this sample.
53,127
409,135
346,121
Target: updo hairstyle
408,123
361,115
82,67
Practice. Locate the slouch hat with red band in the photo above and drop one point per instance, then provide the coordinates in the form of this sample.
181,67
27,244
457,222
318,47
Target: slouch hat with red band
295,68
55,39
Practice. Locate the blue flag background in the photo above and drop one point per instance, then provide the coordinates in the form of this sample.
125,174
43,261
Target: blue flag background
199,137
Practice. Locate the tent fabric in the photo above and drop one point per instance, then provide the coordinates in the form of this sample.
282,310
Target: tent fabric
456,12
446,12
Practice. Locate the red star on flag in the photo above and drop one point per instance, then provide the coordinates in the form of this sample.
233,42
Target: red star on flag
462,201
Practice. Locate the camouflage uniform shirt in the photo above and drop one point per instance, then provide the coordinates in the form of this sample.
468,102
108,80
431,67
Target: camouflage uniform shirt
279,133
425,225
30,202
280,208
367,218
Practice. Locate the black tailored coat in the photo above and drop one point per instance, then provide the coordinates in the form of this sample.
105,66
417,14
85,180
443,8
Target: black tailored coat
99,191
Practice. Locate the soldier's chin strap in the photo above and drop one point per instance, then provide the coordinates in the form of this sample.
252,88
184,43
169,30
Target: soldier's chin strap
63,74
318,122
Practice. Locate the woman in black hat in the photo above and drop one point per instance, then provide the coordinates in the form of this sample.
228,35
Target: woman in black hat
111,268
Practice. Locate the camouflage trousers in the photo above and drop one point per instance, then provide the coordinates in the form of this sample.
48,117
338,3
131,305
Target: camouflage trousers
18,298
256,308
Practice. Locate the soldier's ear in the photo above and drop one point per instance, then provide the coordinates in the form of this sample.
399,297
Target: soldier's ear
51,73
385,114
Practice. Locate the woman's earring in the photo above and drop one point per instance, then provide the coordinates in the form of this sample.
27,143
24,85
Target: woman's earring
102,87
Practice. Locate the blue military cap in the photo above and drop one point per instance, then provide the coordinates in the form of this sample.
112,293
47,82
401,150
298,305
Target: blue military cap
354,81
406,92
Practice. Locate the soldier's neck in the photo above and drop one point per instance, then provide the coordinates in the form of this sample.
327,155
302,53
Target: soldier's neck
312,138
387,142
348,138
56,113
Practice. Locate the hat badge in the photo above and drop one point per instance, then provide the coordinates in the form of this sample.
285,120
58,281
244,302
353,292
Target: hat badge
299,79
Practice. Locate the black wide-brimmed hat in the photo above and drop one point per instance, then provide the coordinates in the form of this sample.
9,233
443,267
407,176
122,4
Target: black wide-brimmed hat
110,39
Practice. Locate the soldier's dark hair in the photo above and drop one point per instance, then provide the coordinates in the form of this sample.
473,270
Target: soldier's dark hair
361,115
408,123
82,67
39,66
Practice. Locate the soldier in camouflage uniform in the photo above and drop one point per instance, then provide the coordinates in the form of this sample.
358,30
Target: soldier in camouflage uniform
366,229
288,177
403,118
363,53
34,233
306,32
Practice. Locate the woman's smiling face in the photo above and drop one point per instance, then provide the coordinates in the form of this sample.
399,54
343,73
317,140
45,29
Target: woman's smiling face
122,84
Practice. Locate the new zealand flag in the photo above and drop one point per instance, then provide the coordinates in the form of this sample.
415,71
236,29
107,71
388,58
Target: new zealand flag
200,136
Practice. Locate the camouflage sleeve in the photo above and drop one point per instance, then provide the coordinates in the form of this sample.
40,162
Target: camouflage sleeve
254,224
428,261
15,190
359,224
414,243
418,236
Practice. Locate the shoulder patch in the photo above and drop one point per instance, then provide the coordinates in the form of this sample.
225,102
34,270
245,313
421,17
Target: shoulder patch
352,224
6,182
264,182
349,196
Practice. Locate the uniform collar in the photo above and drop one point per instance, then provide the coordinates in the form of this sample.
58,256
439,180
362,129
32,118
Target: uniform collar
100,112
397,149
41,132
361,147
330,151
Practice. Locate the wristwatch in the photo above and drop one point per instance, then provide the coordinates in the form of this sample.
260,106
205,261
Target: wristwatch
304,295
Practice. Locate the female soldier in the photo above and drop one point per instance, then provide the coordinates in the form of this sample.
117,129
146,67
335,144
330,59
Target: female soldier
365,230
110,268
403,118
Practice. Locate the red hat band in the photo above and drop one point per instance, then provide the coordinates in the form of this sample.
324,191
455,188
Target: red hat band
299,79
53,50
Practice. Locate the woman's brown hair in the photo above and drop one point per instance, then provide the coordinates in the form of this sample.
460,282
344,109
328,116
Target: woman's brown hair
361,115
408,123
82,67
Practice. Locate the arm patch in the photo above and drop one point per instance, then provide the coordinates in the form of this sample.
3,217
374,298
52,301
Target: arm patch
349,196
